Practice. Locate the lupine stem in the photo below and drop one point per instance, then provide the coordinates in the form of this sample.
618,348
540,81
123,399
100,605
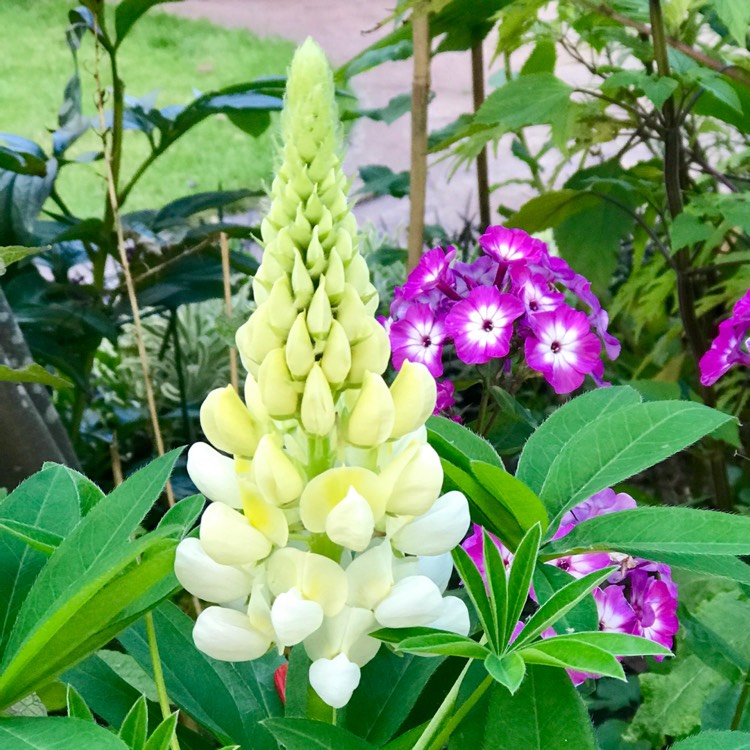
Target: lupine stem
161,688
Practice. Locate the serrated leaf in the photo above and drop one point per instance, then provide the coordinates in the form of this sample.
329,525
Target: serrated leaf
687,229
305,734
735,15
508,670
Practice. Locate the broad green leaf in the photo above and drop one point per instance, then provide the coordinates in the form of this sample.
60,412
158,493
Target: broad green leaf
77,708
721,566
508,670
41,540
162,735
497,584
583,617
735,15
15,253
617,644
179,519
648,532
688,229
657,88
128,12
56,733
459,445
620,444
542,58
474,586
525,506
229,699
519,581
545,714
381,180
535,99
577,655
134,729
558,604
298,684
716,740
304,734
33,373
557,431
444,644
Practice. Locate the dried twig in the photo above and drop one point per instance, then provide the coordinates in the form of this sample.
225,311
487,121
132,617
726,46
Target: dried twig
234,376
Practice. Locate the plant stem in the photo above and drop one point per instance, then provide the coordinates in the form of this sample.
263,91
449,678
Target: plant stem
420,96
161,687
477,90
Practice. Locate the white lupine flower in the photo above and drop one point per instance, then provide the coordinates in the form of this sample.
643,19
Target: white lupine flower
370,576
229,538
412,602
351,522
294,618
346,633
226,634
203,577
438,530
438,568
213,474
334,680
454,617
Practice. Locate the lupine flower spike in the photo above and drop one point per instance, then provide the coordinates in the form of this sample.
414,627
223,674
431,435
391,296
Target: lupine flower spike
326,521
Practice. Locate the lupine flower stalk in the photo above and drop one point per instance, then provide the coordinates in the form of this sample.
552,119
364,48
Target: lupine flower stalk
326,521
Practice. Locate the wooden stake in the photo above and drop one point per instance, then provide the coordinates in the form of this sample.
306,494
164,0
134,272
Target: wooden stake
223,242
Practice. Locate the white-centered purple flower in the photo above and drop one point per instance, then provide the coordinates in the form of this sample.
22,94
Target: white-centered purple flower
482,272
511,245
481,325
432,271
615,614
581,565
418,337
731,346
562,347
445,399
655,608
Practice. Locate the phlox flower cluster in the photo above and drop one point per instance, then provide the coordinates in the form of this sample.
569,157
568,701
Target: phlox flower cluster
639,598
514,299
731,346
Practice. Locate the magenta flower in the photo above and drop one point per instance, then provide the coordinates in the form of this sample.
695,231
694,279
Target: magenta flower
562,348
511,245
536,293
581,565
474,547
432,271
654,607
418,337
615,614
606,501
724,353
445,400
481,325
482,272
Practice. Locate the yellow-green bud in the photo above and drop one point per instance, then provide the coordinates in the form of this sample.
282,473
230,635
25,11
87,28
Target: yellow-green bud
414,477
227,423
302,183
315,257
335,278
371,353
277,388
256,338
344,245
358,274
300,231
314,208
317,410
302,285
300,356
414,394
372,417
352,315
254,402
337,356
276,476
319,314
325,224
281,310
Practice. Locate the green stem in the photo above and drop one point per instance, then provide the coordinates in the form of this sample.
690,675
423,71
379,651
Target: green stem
118,114
161,687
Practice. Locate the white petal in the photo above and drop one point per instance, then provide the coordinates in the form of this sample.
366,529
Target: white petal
229,537
438,568
454,617
438,530
227,635
213,474
202,576
334,680
413,601
351,522
294,618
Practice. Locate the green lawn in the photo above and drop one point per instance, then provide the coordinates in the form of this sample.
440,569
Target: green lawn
163,53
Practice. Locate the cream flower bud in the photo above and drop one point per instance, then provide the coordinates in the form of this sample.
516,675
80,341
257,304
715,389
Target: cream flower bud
370,576
213,474
256,338
254,402
414,394
300,231
203,577
358,274
275,474
337,355
438,530
294,618
259,610
314,207
372,417
335,278
438,568
371,353
334,680
454,618
277,388
315,257
351,522
344,245
317,411
319,314
302,284
414,477
352,315
280,306
227,635
300,356
227,423
229,538
412,602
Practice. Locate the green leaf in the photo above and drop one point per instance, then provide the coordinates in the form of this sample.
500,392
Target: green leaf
620,444
380,180
657,88
545,714
229,699
735,15
558,430
474,586
304,734
162,735
443,644
722,566
508,670
128,12
542,58
519,581
33,373
497,584
688,229
716,740
396,107
583,657
617,644
535,99
56,733
77,708
525,506
15,253
134,728
549,210
558,604
648,532
41,540
175,212
583,617
459,445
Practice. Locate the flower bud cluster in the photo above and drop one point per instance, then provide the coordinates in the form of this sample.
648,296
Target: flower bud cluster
326,521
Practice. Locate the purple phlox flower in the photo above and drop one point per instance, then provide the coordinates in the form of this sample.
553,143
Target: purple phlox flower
482,272
418,337
511,245
474,547
600,504
536,293
615,614
562,348
581,565
731,346
741,312
432,271
655,608
445,391
482,324
659,570
435,299
385,322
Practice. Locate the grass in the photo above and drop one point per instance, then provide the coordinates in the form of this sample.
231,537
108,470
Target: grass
172,55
